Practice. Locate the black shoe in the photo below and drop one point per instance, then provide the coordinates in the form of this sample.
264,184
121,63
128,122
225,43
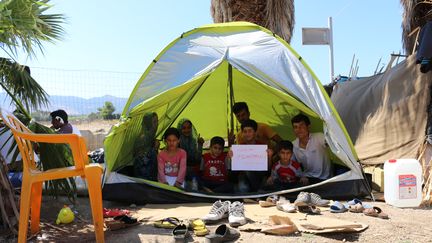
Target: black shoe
223,233
181,233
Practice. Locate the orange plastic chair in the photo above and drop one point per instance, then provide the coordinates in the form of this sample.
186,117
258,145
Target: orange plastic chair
31,189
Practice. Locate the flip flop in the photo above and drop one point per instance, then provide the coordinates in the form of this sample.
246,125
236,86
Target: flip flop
198,226
375,212
120,222
337,207
167,223
269,202
284,205
308,209
180,233
357,208
354,201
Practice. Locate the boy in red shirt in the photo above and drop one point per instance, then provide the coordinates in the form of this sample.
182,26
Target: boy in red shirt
214,168
286,172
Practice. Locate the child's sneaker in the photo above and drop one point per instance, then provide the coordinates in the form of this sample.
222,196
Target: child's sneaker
218,211
236,214
303,199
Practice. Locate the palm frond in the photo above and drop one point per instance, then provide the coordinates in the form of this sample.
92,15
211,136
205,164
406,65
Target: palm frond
16,81
24,24
55,156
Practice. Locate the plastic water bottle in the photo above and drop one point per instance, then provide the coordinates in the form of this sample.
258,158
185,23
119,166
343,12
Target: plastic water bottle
194,184
403,182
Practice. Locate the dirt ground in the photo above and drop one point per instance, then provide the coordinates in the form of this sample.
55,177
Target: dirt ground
404,225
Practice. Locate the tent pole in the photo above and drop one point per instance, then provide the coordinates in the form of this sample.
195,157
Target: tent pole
231,98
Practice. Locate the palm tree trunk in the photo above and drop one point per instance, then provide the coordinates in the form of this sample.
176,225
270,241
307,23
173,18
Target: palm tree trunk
8,200
415,14
275,15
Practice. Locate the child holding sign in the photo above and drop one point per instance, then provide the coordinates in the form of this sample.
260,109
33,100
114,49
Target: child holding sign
253,179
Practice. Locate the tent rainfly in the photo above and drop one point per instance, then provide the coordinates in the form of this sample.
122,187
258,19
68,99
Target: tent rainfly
199,76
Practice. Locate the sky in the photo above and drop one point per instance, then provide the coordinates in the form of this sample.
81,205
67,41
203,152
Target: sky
123,37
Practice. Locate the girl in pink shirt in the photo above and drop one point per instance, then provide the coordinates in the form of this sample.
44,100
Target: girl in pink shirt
172,160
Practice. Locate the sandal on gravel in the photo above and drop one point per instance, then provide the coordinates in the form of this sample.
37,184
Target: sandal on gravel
284,205
337,207
120,222
180,233
354,202
375,212
308,209
357,208
167,223
269,202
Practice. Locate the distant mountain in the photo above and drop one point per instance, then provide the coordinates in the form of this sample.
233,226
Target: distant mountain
76,105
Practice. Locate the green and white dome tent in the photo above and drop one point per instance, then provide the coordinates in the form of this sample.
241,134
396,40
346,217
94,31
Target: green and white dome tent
199,76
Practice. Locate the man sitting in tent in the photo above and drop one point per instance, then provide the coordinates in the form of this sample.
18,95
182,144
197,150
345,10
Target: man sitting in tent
310,150
60,123
264,133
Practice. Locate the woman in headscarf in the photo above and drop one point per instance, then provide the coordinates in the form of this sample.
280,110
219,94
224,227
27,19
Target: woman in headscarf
192,143
146,148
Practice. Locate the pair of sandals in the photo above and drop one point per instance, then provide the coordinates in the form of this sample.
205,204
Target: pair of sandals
281,204
181,229
356,206
284,205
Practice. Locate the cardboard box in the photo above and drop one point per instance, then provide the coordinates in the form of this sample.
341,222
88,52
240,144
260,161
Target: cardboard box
377,177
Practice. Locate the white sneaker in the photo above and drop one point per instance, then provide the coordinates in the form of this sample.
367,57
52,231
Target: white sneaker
284,205
218,211
236,214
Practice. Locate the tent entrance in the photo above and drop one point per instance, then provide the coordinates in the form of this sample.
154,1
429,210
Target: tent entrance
206,102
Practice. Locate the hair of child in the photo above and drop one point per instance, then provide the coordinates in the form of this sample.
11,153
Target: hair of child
239,106
300,118
250,123
217,140
171,131
285,144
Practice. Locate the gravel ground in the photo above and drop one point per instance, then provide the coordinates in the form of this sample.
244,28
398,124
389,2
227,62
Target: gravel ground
404,225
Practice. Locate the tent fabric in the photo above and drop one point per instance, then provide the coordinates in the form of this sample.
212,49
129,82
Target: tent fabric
386,114
337,188
199,76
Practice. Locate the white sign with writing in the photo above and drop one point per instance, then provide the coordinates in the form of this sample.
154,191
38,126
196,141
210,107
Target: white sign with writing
249,157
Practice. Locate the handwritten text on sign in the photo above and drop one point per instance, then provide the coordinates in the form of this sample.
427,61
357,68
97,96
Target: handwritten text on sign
249,157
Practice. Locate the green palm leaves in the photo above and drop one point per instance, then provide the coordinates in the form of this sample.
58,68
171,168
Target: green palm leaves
25,25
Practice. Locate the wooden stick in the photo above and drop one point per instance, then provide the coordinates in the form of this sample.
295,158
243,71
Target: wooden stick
80,218
8,186
5,217
55,227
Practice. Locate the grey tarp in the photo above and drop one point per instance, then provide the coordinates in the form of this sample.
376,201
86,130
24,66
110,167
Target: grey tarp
386,114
